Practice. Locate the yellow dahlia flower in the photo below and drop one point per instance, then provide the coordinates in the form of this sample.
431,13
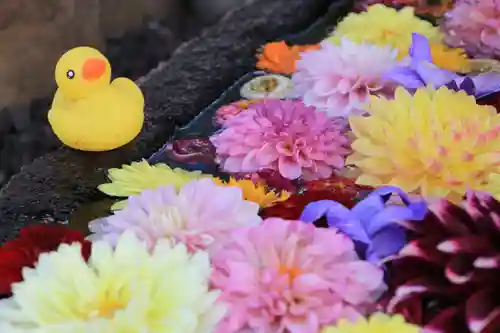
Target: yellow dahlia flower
437,143
452,59
126,290
257,193
377,323
139,176
385,26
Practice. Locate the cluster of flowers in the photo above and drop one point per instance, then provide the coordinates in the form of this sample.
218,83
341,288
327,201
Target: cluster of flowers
361,197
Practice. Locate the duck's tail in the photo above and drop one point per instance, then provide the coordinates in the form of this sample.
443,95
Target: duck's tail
132,91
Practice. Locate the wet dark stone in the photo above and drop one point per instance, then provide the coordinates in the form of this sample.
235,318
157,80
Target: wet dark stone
57,183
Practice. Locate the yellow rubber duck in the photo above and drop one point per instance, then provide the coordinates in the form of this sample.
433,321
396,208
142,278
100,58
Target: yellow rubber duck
89,112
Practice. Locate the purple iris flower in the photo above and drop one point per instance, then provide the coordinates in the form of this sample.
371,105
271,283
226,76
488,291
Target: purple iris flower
372,223
422,72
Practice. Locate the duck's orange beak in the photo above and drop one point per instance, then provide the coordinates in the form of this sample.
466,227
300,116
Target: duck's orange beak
93,69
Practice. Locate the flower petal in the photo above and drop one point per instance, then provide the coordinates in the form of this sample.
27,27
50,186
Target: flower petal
420,49
405,76
481,308
386,243
472,244
288,168
431,74
459,269
486,84
447,320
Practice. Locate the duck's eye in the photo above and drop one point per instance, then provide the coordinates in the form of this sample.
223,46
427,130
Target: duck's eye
70,74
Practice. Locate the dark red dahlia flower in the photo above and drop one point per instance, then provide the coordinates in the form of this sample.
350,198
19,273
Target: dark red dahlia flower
447,278
335,188
493,100
271,178
26,248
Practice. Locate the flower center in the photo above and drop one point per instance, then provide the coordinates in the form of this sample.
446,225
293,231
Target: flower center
169,219
388,33
108,308
107,305
292,272
265,85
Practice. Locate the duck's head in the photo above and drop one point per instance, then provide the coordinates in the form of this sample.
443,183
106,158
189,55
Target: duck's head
82,71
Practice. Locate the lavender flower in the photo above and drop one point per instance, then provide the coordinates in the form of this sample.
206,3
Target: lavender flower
372,223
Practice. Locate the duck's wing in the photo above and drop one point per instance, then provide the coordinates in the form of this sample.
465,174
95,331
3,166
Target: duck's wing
59,102
129,90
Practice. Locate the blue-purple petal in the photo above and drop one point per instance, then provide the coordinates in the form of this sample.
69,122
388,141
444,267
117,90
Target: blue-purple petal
486,84
390,190
389,217
367,208
386,243
350,226
337,216
318,209
468,86
372,224
433,75
420,49
418,208
405,76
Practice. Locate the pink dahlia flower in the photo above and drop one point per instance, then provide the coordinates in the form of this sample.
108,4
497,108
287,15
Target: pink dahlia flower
475,26
339,79
285,136
288,276
200,215
228,111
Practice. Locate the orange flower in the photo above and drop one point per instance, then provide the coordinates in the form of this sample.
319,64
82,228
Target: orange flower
278,57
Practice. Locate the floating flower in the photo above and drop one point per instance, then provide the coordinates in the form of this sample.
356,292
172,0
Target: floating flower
454,143
139,176
451,59
256,192
194,154
278,57
188,151
339,79
120,291
372,223
423,70
467,85
290,276
474,25
385,26
267,86
282,135
226,112
376,323
446,278
335,188
200,213
271,178
493,100
435,8
25,250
